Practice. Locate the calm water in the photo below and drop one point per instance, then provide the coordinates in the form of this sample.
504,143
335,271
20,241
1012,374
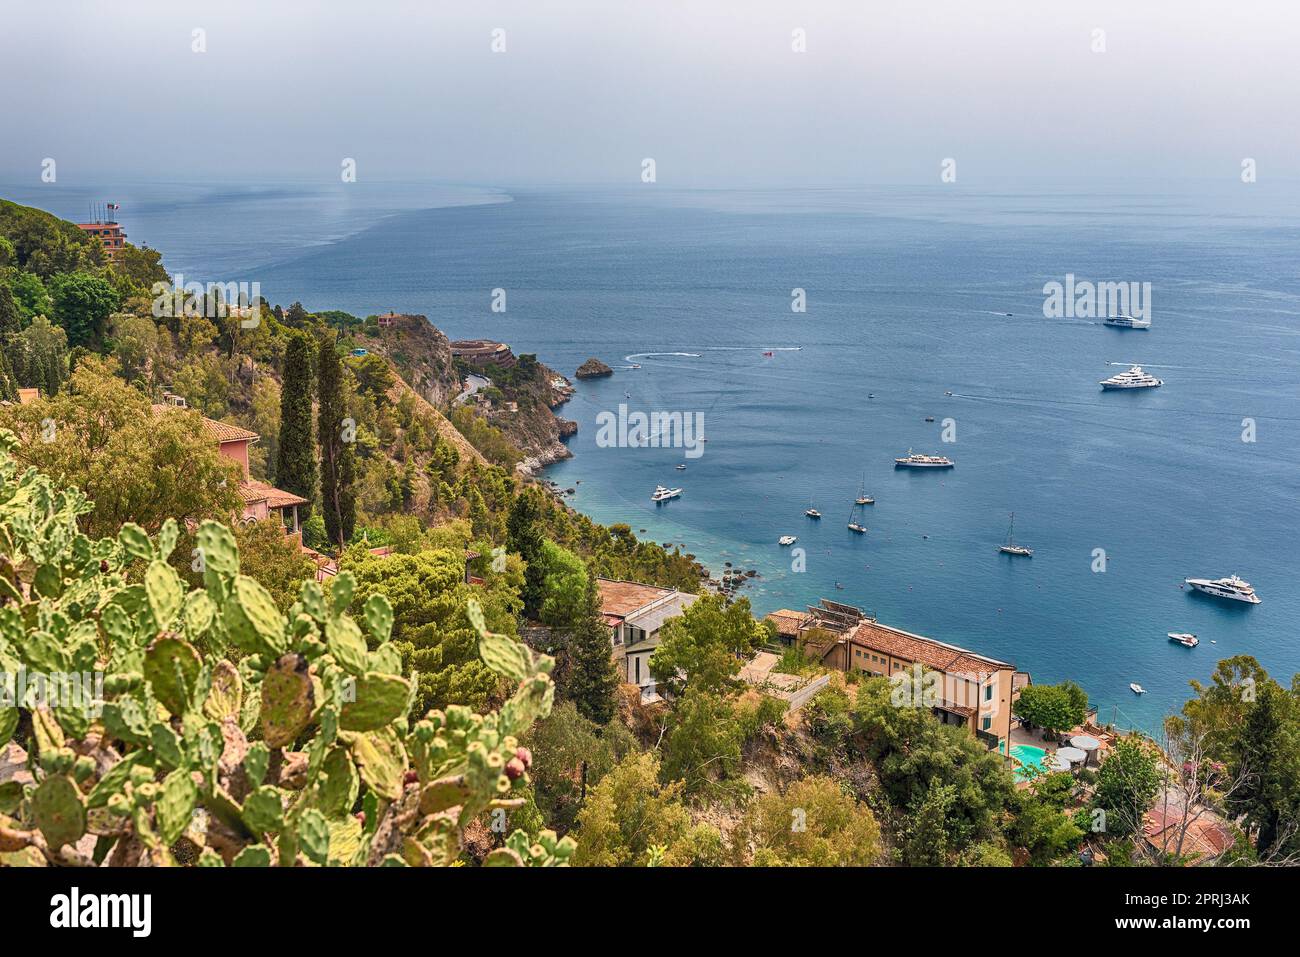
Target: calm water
912,293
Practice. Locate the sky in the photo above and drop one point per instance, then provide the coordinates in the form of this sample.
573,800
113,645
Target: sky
713,91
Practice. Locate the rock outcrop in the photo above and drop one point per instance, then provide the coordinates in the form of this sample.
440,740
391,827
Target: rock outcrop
593,369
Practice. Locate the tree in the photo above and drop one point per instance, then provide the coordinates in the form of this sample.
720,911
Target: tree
295,462
571,608
1266,759
10,321
1127,784
134,464
82,304
524,538
914,754
338,464
135,344
274,559
571,755
702,748
430,627
631,820
814,824
705,647
1039,823
1054,708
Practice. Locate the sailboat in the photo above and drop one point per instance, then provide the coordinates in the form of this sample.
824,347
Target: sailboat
1010,547
854,524
863,498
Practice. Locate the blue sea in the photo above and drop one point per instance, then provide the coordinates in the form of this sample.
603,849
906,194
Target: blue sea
921,301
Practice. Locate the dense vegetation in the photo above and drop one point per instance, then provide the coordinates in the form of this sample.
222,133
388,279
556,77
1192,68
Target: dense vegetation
402,714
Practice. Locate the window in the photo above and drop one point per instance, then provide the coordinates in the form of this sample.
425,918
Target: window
988,692
988,722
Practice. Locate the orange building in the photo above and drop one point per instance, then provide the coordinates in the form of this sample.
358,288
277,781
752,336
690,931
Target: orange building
260,499
109,233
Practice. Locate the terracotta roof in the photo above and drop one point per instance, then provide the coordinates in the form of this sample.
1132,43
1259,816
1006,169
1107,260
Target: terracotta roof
621,598
223,432
252,490
927,651
1207,835
788,621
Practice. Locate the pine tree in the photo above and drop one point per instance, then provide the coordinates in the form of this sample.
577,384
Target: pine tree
295,460
10,324
593,679
524,538
338,467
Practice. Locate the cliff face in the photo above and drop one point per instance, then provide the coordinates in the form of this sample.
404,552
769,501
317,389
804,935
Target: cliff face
519,404
421,353
531,391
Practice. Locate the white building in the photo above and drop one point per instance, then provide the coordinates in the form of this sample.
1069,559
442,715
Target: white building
635,613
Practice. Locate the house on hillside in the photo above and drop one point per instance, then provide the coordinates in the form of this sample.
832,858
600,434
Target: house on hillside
261,501
971,690
635,613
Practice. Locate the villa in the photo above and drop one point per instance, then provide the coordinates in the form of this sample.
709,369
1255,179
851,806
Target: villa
261,501
973,690
635,613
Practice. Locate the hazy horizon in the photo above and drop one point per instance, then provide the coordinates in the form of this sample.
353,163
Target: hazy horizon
1011,90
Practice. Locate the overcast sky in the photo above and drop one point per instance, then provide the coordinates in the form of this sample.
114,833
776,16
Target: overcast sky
712,90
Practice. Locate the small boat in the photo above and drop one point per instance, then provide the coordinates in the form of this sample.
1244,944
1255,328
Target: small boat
682,467
854,526
662,494
1127,322
929,418
1136,688
1010,547
813,513
947,393
768,355
863,498
787,540
1187,639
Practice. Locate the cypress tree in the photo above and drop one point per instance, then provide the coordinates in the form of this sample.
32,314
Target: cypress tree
524,538
593,679
10,324
337,466
295,461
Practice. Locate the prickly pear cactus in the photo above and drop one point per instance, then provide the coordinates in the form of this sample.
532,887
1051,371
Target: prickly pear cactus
163,725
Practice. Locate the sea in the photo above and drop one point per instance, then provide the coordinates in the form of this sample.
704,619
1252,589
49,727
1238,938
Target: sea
816,332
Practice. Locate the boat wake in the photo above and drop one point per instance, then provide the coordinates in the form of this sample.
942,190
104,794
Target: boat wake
654,355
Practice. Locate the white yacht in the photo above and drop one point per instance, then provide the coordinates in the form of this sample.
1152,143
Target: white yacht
1128,322
787,540
1230,587
1136,688
915,460
1134,378
1184,638
812,513
662,494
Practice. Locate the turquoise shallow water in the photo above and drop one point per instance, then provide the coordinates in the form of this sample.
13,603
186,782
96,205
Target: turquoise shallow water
912,294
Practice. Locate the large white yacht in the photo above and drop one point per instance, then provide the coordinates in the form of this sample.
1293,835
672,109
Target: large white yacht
662,494
1230,587
915,460
1128,322
1134,378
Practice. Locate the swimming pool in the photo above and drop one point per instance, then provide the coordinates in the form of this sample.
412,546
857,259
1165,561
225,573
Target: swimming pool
1027,755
